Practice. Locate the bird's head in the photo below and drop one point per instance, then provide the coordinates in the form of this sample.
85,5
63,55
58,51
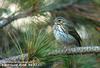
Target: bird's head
62,21
59,21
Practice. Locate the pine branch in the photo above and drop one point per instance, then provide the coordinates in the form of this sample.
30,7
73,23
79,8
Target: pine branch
89,11
76,50
65,51
14,58
23,14
19,60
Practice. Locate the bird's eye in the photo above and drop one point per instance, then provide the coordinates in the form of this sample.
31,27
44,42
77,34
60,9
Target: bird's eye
59,20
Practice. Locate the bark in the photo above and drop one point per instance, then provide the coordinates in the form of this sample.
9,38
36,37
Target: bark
65,51
77,51
14,59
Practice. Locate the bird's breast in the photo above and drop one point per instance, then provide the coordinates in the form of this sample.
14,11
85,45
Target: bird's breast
61,36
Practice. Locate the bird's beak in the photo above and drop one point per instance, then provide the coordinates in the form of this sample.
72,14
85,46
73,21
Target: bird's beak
57,23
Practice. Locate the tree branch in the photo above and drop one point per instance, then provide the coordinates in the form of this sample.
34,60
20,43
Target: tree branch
76,50
20,59
65,51
14,58
6,21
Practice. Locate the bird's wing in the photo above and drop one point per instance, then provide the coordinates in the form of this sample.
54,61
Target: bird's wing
74,33
71,30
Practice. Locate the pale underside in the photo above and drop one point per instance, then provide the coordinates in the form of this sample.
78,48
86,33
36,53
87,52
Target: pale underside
62,37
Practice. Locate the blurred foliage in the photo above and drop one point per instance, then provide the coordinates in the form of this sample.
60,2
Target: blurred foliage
49,5
84,1
86,61
93,36
43,4
2,10
97,2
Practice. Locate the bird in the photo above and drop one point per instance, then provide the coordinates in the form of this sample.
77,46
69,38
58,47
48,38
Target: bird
65,33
